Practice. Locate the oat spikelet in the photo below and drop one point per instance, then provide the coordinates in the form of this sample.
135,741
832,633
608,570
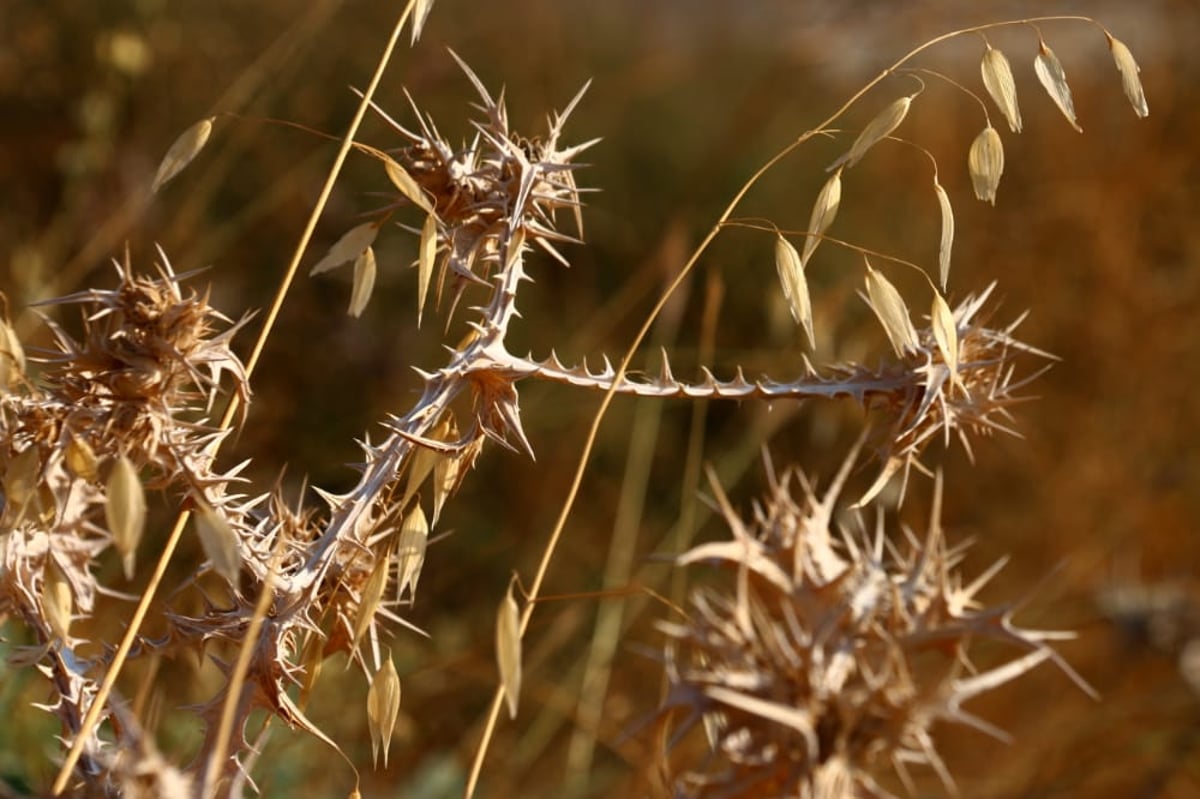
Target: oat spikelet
182,151
1053,78
876,131
999,82
383,708
795,286
889,306
986,164
508,650
823,213
364,282
1129,70
947,239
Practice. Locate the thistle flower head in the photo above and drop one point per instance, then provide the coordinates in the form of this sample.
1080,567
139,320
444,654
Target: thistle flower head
829,652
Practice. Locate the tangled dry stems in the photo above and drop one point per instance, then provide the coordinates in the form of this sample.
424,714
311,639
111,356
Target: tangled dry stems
809,670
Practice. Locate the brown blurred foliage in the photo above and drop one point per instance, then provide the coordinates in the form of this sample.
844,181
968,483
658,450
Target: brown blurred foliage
1093,233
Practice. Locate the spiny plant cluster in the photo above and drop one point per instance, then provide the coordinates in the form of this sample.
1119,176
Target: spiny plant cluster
805,668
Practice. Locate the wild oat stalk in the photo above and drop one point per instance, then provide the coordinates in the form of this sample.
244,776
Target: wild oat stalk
801,676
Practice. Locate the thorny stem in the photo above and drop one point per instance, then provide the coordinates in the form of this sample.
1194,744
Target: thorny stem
627,358
139,615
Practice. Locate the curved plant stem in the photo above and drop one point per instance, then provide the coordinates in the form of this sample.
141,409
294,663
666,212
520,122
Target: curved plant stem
139,615
622,368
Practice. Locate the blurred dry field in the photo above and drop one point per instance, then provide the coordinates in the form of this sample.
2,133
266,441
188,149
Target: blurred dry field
1094,234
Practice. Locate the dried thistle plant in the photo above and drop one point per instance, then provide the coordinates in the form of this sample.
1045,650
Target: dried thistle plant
803,674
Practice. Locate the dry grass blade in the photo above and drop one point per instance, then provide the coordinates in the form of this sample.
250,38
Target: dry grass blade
508,650
823,213
426,255
1129,70
795,286
364,282
125,512
348,248
889,306
986,164
876,131
219,541
947,240
998,80
186,147
383,708
1054,80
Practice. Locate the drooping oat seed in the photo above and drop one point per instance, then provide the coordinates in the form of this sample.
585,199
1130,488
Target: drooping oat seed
795,287
947,239
986,164
219,541
998,80
182,151
1054,80
81,459
508,650
877,130
125,512
1129,70
426,255
406,184
823,213
57,601
889,307
348,248
364,282
12,356
410,548
383,708
445,477
21,480
945,333
372,595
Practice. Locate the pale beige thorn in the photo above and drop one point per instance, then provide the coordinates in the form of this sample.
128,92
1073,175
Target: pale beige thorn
665,376
420,14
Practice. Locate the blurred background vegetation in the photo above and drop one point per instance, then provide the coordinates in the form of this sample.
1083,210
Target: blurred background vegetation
1095,234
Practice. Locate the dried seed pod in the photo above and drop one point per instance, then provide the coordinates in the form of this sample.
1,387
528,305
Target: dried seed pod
998,80
795,287
383,708
420,14
348,248
889,306
508,650
947,239
21,481
219,541
1129,70
125,511
986,164
182,151
364,282
823,213
877,130
1054,80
